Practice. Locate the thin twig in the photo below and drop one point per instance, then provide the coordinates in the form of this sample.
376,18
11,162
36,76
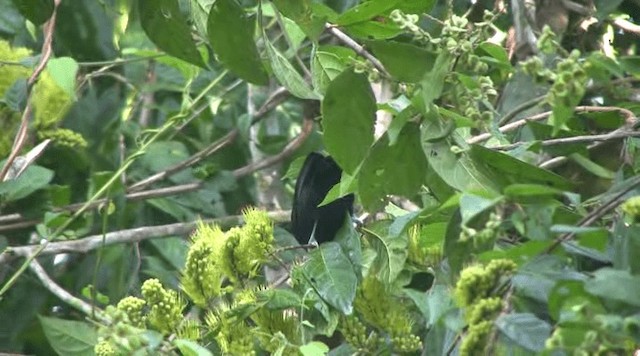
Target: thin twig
520,108
613,135
65,296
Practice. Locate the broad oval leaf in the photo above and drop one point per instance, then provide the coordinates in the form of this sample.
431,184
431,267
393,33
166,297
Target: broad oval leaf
231,36
348,116
607,280
365,11
167,27
68,337
331,274
36,11
32,179
391,251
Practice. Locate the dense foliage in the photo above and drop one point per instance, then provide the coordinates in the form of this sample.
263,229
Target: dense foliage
491,146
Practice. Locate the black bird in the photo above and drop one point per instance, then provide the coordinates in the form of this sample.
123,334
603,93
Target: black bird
318,175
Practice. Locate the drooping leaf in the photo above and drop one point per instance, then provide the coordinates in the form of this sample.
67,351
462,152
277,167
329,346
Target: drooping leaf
332,276
391,251
287,75
191,348
167,27
68,337
306,14
231,36
348,115
399,169
520,171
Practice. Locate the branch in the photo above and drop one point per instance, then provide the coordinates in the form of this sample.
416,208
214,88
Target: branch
21,136
65,296
627,26
629,117
356,47
613,135
93,242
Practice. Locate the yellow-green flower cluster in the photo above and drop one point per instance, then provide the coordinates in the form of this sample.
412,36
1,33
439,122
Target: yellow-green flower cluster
478,282
189,329
484,237
569,82
63,137
548,41
270,324
202,277
104,348
631,207
119,336
166,306
234,337
356,334
236,255
133,307
474,293
378,307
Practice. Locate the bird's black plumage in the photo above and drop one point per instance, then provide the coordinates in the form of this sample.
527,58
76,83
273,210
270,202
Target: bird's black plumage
318,175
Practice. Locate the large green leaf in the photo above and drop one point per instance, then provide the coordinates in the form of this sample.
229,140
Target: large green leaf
231,36
432,83
365,11
32,179
459,171
404,61
330,272
36,11
287,75
167,27
524,329
68,337
392,170
191,348
348,116
608,284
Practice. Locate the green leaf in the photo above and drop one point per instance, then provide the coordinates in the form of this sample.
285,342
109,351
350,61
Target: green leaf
591,166
458,171
471,205
348,116
314,348
332,276
287,74
530,190
607,283
36,11
67,337
432,304
191,348
626,247
32,179
305,14
373,30
231,36
365,11
391,251
167,27
524,329
568,294
433,82
520,171
379,173
327,63
404,61
63,70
